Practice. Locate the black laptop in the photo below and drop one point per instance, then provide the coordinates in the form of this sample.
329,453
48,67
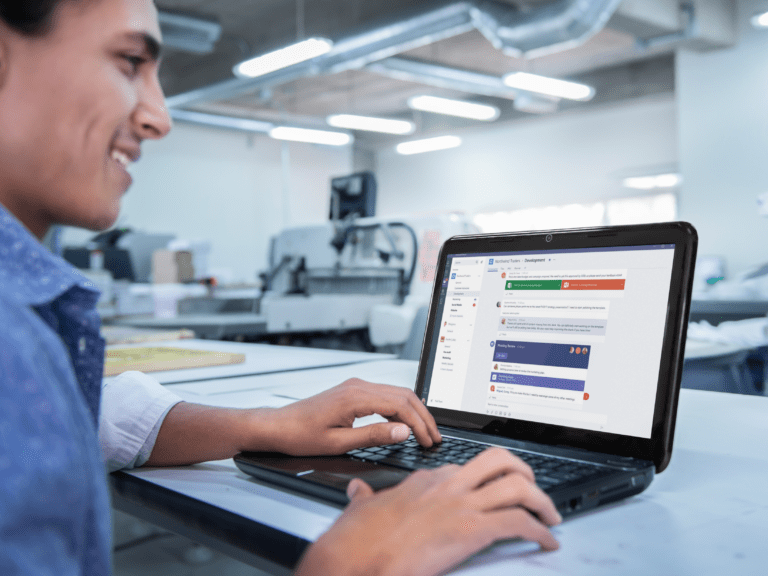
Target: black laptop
564,346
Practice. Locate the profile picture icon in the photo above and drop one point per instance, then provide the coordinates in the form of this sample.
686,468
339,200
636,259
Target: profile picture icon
503,320
584,350
495,366
498,304
493,388
578,349
445,323
571,350
442,338
503,274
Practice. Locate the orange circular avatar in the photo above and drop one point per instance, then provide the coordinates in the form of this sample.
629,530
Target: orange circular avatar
493,388
586,395
578,349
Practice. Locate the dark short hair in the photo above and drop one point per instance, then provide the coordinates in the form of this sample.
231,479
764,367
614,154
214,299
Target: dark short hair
29,17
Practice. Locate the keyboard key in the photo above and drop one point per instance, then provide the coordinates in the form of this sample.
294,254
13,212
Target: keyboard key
374,457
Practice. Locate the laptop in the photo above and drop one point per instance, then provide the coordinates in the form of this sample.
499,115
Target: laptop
563,346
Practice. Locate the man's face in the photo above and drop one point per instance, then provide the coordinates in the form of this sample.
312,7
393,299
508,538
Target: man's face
75,105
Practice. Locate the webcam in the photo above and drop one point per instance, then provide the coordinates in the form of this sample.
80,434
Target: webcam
549,237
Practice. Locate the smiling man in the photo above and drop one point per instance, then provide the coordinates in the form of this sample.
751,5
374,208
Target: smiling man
79,92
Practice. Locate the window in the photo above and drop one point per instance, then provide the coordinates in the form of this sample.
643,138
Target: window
636,210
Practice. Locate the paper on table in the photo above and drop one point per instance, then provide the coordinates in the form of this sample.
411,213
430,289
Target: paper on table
154,359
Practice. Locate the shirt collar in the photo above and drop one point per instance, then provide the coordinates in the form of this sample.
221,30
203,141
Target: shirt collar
29,273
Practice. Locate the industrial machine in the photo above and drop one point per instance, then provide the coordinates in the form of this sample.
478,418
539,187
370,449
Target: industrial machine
368,275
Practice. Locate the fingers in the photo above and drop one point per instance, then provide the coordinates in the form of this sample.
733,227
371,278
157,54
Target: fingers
397,404
422,410
492,463
518,523
357,489
346,439
516,490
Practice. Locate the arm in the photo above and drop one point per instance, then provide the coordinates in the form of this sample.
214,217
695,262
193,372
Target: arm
318,425
434,519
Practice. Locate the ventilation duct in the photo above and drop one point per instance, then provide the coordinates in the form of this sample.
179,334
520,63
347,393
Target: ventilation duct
553,27
188,33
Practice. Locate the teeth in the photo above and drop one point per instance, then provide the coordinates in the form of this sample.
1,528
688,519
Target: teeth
122,158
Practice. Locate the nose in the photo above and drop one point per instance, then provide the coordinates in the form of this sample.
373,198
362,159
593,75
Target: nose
151,118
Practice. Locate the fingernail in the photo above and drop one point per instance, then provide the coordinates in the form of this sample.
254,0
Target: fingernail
400,433
352,489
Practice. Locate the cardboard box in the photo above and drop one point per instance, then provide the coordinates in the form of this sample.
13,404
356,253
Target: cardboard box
172,266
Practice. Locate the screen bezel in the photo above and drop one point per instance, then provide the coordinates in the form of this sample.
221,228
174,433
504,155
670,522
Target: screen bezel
657,448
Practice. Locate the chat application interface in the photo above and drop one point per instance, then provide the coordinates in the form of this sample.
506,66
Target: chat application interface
571,338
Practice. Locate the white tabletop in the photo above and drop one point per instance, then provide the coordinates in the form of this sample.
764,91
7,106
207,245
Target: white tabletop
706,514
259,359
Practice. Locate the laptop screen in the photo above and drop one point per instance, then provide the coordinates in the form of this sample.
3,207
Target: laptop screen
571,337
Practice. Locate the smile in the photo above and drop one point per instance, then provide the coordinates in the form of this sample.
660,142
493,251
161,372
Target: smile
121,157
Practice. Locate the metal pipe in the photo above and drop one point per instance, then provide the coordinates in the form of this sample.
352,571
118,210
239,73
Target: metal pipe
556,26
443,77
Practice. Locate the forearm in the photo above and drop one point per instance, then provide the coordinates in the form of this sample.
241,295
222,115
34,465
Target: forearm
193,433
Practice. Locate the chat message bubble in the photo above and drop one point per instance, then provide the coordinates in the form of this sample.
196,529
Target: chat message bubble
558,308
569,326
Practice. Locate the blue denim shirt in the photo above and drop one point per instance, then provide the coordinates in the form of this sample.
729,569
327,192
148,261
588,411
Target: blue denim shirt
54,505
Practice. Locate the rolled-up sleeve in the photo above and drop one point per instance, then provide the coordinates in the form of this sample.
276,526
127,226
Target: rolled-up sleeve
133,407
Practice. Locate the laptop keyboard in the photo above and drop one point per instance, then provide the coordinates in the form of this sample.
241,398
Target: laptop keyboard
550,471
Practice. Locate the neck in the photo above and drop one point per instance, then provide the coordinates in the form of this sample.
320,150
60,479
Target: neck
36,223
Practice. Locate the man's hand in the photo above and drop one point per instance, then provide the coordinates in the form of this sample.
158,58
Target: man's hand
434,520
322,424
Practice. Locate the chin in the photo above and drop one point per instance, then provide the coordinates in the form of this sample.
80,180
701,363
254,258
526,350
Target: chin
100,222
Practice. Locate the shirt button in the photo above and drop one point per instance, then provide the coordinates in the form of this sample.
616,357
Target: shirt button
81,344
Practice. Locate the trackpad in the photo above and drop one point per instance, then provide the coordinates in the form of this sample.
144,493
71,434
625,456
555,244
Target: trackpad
377,477
331,471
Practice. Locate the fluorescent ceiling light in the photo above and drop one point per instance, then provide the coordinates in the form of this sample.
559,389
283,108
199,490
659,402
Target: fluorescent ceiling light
370,124
282,58
760,20
548,86
311,136
454,107
652,182
428,145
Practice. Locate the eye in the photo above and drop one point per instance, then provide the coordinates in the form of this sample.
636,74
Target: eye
134,62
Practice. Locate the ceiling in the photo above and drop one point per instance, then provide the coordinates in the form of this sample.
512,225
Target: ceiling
615,60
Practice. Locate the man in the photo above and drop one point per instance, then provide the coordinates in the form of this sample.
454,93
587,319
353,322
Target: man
79,92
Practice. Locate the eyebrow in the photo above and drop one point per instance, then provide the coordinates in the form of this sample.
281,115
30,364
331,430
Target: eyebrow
151,44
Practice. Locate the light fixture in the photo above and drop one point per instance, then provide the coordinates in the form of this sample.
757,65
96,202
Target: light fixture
310,135
428,145
653,182
450,107
548,86
282,58
371,124
760,20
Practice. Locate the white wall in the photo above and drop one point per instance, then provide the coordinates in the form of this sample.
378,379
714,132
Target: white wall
576,156
227,187
722,101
